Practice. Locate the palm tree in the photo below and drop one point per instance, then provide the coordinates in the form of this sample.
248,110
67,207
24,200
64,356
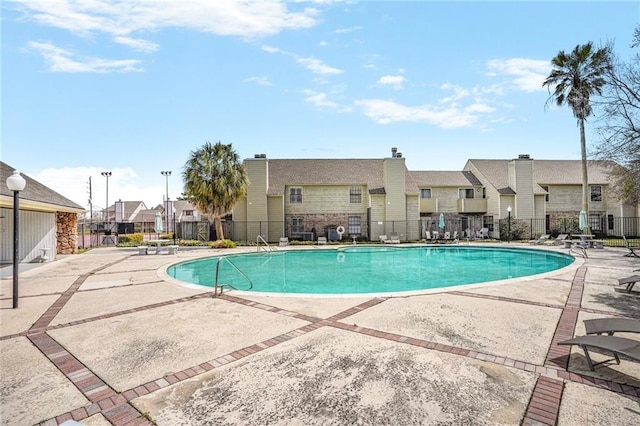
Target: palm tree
214,181
575,77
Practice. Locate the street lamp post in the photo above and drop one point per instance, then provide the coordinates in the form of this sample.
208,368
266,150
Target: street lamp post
16,183
509,225
166,174
106,210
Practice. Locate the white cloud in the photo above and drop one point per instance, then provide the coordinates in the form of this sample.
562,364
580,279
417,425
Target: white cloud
271,49
243,18
61,60
348,30
316,66
395,81
137,44
321,100
522,74
261,81
447,117
73,183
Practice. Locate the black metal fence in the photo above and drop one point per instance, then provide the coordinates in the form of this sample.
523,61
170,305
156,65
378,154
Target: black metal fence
93,235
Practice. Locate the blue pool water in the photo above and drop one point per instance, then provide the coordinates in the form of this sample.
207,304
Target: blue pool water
368,269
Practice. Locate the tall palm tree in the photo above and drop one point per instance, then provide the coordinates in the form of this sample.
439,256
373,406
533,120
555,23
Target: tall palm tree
574,78
214,181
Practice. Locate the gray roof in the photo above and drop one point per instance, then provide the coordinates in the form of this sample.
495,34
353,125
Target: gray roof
129,207
441,178
545,172
36,192
329,172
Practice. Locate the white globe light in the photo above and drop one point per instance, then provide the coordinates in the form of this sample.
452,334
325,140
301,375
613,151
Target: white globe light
16,182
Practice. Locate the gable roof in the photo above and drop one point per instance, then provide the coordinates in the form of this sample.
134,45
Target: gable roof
330,172
35,196
441,178
129,207
545,172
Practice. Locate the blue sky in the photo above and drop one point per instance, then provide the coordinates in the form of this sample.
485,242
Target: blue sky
133,86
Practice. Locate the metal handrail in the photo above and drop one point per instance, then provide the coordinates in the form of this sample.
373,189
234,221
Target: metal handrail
216,285
260,239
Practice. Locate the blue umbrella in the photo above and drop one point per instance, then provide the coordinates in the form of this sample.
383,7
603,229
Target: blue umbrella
583,223
158,226
441,221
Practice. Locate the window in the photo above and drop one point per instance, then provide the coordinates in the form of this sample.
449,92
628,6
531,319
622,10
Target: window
546,196
594,222
188,212
355,194
354,225
610,225
297,225
295,195
596,193
465,193
487,222
425,193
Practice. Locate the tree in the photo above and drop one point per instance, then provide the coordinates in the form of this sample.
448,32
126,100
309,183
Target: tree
214,181
619,126
575,77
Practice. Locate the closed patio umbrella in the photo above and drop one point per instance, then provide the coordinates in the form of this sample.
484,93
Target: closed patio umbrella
582,220
159,226
441,221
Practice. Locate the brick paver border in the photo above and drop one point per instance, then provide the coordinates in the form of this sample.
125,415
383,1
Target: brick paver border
543,407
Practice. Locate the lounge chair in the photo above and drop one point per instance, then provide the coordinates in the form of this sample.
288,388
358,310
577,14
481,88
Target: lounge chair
561,238
393,238
632,249
614,344
447,236
629,282
436,236
284,241
612,325
541,239
322,241
427,235
483,233
455,237
384,239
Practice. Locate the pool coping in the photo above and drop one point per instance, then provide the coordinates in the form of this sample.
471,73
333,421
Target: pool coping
577,262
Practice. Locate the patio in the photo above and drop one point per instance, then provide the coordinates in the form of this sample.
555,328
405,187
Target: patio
102,338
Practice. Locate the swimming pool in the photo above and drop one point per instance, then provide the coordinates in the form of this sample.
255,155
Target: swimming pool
367,269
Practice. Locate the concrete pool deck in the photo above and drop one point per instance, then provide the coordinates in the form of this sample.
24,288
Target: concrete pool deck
103,338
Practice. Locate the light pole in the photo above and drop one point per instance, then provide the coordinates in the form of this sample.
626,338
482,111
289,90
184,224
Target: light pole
509,225
106,212
16,183
166,174
106,209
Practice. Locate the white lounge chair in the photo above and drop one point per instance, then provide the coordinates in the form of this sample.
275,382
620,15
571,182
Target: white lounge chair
542,239
393,238
322,241
284,241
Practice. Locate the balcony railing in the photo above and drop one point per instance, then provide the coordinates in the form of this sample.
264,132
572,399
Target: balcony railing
428,205
472,205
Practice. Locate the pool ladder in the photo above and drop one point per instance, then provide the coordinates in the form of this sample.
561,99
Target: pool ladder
266,247
217,285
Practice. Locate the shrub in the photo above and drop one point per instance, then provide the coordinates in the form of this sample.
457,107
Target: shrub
222,244
130,240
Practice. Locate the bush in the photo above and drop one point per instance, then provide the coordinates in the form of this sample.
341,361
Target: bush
221,244
130,240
